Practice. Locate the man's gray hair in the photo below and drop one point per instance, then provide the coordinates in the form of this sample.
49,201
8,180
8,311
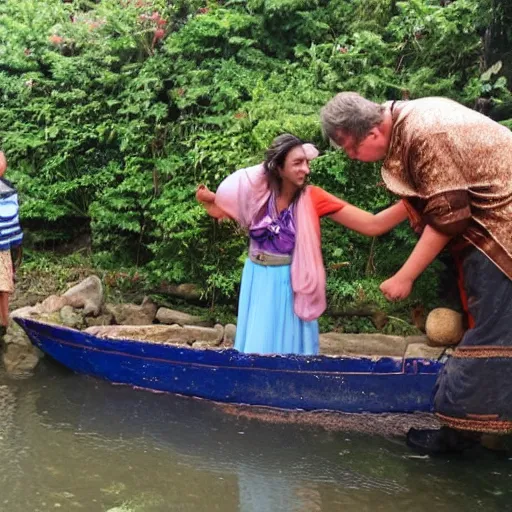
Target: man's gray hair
351,114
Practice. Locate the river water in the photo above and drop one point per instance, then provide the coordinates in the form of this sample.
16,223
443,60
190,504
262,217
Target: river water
69,442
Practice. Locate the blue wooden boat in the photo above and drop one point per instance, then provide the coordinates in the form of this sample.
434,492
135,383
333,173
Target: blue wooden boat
347,384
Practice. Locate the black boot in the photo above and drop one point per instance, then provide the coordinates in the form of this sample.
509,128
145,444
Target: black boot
443,441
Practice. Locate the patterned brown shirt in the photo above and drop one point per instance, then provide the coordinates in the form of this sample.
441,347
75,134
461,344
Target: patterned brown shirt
454,166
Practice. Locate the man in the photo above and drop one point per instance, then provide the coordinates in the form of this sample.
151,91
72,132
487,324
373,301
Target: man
453,168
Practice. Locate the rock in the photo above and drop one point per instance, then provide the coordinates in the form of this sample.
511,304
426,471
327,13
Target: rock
19,355
20,359
87,295
105,319
173,334
185,291
421,338
16,335
53,303
367,345
26,312
71,318
444,327
171,316
229,335
131,314
51,318
423,351
206,334
204,344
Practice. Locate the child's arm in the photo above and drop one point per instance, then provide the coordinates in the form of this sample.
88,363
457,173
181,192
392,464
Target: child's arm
207,198
369,224
3,163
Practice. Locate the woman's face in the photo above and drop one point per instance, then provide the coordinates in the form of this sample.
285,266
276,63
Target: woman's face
295,169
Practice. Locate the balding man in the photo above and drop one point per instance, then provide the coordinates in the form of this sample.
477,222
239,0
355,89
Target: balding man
453,168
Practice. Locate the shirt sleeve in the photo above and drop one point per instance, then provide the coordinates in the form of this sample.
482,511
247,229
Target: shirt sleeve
435,168
449,212
325,203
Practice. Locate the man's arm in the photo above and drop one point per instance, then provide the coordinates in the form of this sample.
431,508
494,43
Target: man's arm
430,244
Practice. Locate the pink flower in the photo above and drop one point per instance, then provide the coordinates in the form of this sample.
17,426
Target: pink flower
55,39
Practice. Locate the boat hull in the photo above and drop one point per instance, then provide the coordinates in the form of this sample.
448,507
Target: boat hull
351,385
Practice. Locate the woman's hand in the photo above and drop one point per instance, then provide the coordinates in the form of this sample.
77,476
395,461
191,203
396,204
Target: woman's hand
204,195
207,198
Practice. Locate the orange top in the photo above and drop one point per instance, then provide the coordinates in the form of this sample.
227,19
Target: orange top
325,203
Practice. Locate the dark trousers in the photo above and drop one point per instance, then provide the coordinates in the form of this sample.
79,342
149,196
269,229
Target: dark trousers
474,390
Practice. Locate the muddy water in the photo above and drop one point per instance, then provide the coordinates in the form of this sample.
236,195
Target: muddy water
74,443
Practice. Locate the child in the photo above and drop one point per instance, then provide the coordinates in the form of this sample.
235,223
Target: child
10,238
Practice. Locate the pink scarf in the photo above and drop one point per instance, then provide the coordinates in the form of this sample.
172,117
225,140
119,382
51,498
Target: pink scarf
242,195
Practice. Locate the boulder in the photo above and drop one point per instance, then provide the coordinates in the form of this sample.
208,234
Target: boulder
19,355
131,314
368,345
213,335
172,316
27,312
15,335
20,359
105,319
204,344
87,295
174,334
54,303
444,327
423,351
71,317
229,335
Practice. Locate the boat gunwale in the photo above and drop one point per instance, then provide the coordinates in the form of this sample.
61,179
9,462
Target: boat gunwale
407,366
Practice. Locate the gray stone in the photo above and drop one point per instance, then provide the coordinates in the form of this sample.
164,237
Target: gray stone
367,345
87,295
20,359
54,303
26,312
420,338
204,344
172,316
71,318
423,351
172,334
206,334
16,335
131,314
159,333
105,319
229,335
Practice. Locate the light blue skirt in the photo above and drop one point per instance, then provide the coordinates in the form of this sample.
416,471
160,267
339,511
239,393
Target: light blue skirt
267,323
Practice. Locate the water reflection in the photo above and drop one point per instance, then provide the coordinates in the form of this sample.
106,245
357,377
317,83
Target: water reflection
72,442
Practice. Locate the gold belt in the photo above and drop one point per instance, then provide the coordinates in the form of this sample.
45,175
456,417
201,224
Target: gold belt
270,260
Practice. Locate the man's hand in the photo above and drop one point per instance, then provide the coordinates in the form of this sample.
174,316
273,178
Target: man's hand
396,288
430,244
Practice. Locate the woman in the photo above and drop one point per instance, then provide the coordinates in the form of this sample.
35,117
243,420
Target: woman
283,283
